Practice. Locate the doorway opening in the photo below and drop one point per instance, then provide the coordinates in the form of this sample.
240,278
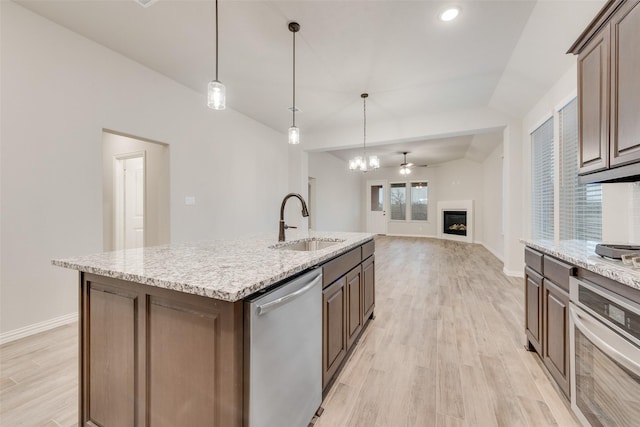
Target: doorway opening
129,217
135,185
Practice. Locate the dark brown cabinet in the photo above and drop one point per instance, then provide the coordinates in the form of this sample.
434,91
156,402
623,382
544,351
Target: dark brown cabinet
368,286
334,331
546,293
625,84
609,93
348,301
354,305
533,308
556,333
158,357
593,101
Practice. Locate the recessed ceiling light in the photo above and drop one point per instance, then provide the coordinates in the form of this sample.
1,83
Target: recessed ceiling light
145,3
450,14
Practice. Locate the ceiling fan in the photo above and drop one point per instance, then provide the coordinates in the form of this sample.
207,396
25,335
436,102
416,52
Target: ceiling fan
405,168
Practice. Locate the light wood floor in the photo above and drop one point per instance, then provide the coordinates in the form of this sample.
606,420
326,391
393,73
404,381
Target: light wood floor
445,349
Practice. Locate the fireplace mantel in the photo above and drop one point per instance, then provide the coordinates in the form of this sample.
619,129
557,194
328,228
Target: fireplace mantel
457,205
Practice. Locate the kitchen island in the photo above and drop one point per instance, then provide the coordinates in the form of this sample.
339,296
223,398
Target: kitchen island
162,328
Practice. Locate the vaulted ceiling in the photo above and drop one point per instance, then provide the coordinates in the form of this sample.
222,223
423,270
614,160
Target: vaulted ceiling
500,54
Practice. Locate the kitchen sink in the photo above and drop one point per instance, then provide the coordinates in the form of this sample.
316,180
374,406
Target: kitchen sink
306,245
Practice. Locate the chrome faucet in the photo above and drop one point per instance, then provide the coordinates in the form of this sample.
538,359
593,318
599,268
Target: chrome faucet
284,226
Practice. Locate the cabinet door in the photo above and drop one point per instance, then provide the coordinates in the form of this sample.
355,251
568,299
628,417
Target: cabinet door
354,305
625,85
334,330
593,103
556,333
368,287
533,308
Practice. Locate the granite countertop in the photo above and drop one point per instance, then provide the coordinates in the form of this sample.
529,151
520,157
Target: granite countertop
225,269
582,253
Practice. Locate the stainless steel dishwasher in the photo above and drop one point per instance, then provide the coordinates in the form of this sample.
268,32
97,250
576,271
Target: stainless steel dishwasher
283,353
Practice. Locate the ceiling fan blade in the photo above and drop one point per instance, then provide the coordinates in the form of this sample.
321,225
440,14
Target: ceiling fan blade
409,165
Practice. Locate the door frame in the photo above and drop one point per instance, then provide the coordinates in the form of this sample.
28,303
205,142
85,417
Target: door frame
385,202
118,228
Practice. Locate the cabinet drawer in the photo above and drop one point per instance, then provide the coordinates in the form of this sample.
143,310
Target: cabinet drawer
368,249
339,266
558,272
533,259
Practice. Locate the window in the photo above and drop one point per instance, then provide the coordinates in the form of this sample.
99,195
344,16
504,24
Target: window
398,201
419,201
417,193
377,198
542,181
580,204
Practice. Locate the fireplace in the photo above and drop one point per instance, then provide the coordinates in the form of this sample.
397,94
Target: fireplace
454,222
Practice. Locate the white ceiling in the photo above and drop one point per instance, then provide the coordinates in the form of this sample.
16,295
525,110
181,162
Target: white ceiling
398,51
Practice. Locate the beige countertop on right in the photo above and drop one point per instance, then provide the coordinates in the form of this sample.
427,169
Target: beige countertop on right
582,254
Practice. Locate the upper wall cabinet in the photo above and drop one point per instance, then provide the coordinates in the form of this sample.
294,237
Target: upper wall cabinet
609,94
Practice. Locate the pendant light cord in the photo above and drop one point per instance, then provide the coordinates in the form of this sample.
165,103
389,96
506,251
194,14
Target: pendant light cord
294,78
364,139
216,40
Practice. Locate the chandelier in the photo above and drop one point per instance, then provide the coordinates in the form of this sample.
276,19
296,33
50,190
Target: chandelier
361,163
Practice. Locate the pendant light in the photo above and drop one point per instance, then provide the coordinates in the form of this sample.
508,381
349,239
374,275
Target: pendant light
216,97
358,162
294,132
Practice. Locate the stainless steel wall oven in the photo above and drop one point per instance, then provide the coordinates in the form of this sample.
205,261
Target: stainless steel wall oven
605,354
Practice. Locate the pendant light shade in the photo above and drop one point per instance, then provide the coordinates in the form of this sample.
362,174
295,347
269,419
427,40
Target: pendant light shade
294,132
216,93
294,135
361,163
216,99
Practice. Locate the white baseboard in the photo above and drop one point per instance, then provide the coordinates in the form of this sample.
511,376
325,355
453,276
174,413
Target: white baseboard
495,254
519,274
36,328
411,235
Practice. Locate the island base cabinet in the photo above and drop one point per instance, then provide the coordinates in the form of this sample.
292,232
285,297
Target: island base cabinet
368,287
334,331
354,304
156,357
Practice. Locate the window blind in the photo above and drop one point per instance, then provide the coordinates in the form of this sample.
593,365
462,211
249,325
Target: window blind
580,205
542,181
398,201
419,201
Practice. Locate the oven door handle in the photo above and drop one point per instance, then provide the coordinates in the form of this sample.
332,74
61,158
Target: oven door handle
610,343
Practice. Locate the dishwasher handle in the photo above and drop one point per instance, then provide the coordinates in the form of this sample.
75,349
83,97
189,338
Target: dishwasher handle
272,305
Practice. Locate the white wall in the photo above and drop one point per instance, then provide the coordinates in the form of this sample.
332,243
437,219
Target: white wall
492,193
59,90
621,213
337,199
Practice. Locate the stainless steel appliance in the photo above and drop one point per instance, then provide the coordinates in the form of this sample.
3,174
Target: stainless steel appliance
605,354
283,353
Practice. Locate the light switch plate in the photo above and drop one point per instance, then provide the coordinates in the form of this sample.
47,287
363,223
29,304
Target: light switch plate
189,200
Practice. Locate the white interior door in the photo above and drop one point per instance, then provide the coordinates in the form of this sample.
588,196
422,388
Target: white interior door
376,207
129,202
